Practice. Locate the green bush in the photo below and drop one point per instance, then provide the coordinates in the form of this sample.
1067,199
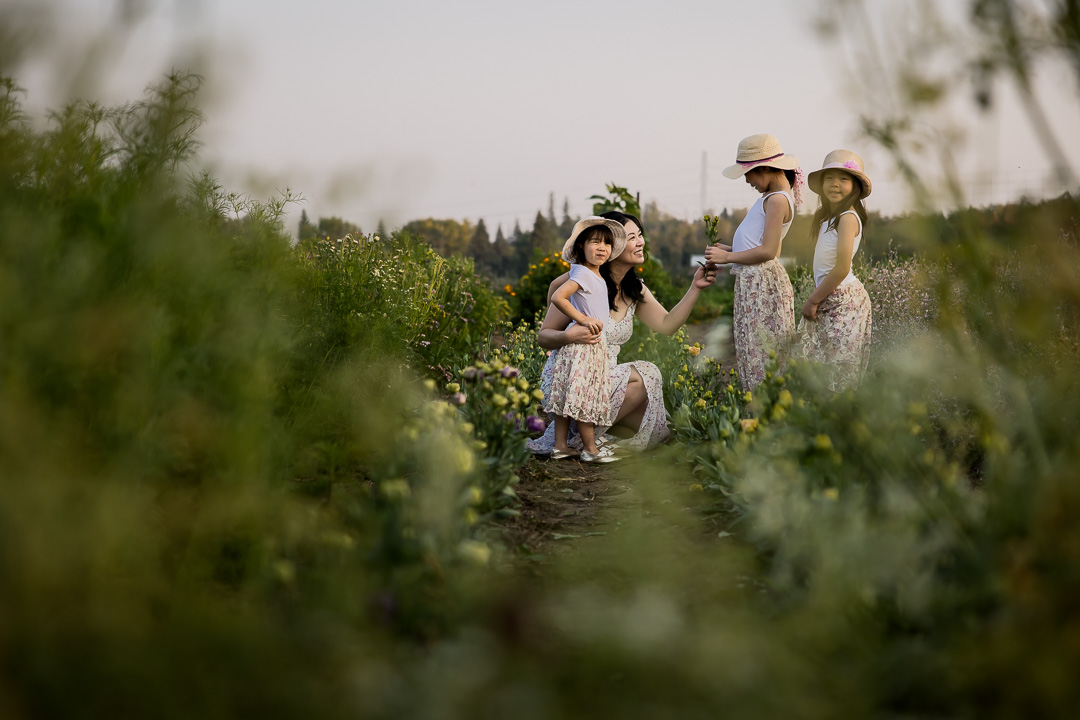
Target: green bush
529,296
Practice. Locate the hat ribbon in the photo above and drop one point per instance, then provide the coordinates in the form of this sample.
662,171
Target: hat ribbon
751,163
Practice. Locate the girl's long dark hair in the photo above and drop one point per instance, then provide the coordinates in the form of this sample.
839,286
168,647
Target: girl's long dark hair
631,285
826,212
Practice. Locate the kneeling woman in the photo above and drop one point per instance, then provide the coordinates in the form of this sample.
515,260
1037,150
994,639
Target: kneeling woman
637,395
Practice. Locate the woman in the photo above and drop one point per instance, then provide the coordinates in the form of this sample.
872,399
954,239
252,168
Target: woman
637,399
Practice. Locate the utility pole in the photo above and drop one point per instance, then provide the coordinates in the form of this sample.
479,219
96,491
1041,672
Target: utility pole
704,179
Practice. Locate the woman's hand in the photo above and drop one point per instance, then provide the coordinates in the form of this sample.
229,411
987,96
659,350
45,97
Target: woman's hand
595,326
809,309
704,277
581,335
717,254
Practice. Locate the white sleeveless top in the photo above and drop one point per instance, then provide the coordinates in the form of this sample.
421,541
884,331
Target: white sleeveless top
751,231
591,297
825,250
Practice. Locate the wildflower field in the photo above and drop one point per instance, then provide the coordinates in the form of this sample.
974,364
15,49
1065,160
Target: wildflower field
241,477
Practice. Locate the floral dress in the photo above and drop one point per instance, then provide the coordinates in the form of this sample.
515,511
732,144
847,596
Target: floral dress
839,337
654,429
764,318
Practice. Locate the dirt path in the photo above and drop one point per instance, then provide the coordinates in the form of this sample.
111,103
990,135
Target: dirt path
561,500
567,506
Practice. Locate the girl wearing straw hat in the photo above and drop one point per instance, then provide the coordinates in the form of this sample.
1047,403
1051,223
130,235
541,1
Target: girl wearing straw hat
581,384
764,308
836,319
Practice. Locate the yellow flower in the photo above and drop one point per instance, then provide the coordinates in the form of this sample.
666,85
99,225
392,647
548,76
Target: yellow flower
453,388
832,494
523,384
748,425
823,443
429,385
747,397
779,413
700,404
784,399
395,489
471,516
464,459
538,394
680,378
694,350
499,400
696,487
474,551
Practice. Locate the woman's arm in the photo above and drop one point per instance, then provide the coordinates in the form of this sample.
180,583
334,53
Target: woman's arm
656,318
776,209
846,230
554,332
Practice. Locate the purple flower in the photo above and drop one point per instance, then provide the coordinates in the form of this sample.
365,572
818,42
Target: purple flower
535,424
509,372
458,398
469,373
851,165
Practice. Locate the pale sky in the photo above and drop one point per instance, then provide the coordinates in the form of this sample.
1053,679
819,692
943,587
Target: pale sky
475,109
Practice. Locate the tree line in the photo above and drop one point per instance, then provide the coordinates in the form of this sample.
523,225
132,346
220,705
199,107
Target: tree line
671,241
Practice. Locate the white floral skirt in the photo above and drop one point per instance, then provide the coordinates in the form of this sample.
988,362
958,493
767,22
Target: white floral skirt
581,384
840,336
764,318
654,427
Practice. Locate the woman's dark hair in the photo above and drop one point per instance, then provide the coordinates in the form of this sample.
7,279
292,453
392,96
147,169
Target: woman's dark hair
631,285
826,212
588,234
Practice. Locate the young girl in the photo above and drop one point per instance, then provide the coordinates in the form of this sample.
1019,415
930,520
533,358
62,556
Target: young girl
836,320
580,384
764,307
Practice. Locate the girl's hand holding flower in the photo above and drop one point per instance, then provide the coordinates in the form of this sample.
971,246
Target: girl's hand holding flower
717,254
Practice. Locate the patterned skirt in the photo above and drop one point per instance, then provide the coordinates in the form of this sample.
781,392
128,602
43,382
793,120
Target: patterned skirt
840,336
764,318
653,429
581,384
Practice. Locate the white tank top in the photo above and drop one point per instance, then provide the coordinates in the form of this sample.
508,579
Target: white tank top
751,231
825,250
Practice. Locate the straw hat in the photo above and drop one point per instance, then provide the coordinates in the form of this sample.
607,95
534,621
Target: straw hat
618,232
760,151
840,160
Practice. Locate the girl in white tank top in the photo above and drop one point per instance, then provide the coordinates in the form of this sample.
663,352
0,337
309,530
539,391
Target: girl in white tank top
764,309
836,319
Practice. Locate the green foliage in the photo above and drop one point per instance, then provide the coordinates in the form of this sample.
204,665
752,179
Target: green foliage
529,296
170,398
496,400
391,296
618,198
